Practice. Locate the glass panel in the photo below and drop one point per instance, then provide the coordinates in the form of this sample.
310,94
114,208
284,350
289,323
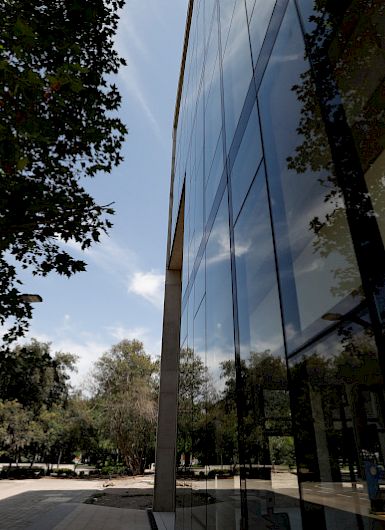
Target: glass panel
185,264
258,303
226,10
198,372
318,270
209,6
222,450
237,70
200,46
200,284
183,327
213,118
214,176
184,441
338,414
220,340
349,39
258,25
249,7
268,452
198,218
246,162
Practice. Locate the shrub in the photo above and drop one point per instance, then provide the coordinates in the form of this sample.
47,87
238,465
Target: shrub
22,472
222,473
115,470
66,472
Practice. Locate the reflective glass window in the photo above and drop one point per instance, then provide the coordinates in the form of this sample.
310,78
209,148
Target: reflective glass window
221,431
200,284
258,23
317,264
185,266
247,160
338,417
183,327
249,8
198,214
200,46
226,11
237,69
213,117
220,340
209,7
198,374
214,176
268,443
257,290
184,440
355,47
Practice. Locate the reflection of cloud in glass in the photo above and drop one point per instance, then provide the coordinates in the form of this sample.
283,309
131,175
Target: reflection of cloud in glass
215,357
235,42
219,245
272,344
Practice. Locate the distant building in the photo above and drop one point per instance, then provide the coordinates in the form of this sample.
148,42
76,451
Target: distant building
275,301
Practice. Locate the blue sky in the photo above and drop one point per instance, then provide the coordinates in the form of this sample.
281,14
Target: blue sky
121,294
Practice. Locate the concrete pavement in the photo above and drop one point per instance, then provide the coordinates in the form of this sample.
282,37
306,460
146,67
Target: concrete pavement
58,504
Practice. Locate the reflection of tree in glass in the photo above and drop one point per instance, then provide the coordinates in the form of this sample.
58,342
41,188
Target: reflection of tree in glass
337,406
193,381
207,421
266,409
345,104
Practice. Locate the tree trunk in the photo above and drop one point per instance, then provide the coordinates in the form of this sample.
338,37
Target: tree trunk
33,460
59,458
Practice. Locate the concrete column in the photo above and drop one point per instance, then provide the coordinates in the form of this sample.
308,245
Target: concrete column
164,487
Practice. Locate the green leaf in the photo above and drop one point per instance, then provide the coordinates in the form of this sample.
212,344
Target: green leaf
22,163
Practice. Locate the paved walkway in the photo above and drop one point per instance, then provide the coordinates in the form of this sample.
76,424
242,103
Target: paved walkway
58,504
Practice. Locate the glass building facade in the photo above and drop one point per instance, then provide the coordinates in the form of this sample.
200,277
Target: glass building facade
278,203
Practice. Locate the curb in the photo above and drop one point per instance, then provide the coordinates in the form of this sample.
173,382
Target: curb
151,519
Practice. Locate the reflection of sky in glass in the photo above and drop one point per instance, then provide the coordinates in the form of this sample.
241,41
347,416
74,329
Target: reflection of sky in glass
213,119
226,10
237,69
214,176
199,284
200,334
258,304
246,162
303,197
220,339
260,16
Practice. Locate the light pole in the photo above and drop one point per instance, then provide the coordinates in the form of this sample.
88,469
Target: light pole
30,298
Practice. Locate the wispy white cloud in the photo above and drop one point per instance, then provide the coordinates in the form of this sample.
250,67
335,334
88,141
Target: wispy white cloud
148,285
131,45
123,264
109,255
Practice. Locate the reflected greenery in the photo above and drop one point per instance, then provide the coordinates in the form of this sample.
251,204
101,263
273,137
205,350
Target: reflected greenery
338,401
341,133
208,420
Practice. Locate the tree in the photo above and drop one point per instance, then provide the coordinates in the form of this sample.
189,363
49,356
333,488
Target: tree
67,430
56,127
35,378
341,135
17,427
126,393
192,400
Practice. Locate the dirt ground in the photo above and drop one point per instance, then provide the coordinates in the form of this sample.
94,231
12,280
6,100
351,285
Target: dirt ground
134,498
141,498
